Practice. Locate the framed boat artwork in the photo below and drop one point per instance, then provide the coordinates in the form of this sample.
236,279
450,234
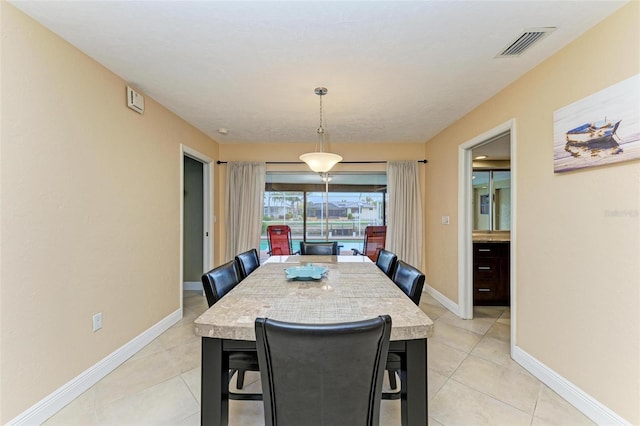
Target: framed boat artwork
602,128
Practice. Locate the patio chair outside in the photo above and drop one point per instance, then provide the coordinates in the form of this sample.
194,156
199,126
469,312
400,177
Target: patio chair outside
374,240
279,237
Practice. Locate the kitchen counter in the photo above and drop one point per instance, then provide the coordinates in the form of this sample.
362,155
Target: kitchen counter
491,236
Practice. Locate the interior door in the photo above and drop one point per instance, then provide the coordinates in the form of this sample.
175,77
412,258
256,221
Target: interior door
193,256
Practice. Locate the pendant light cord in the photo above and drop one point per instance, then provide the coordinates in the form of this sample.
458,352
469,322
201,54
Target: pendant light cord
321,129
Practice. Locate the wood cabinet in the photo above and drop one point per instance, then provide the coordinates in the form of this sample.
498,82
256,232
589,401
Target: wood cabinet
491,273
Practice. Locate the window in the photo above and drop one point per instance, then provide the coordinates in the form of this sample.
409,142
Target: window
301,201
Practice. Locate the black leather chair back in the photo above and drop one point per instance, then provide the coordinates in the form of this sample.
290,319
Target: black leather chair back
410,280
220,281
322,374
248,262
319,248
387,262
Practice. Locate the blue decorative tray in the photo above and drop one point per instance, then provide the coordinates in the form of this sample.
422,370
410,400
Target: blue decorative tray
305,273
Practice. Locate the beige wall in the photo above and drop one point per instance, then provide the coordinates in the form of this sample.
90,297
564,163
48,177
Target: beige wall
90,212
578,279
291,152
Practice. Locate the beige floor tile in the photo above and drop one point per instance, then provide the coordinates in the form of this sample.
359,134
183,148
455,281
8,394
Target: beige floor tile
457,404
135,375
443,359
454,337
390,413
431,307
73,417
434,422
500,331
505,318
494,350
161,383
515,387
193,307
552,410
186,356
192,420
188,316
435,381
154,347
483,312
192,379
433,312
252,382
166,403
179,334
246,413
478,325
193,298
81,411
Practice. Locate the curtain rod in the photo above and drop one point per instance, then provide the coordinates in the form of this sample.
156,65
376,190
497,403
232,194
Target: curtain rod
341,162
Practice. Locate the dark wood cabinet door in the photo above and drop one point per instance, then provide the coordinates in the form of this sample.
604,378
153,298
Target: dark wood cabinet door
491,274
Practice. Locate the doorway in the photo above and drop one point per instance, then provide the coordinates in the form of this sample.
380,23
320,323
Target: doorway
193,226
196,218
466,215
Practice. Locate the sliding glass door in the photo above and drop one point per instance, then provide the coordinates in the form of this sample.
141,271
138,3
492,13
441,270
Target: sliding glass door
341,214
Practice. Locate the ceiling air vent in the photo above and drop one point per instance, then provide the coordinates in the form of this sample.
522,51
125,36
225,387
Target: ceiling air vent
524,41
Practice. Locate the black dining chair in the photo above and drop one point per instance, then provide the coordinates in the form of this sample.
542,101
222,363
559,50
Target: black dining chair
248,262
387,262
411,281
218,282
328,248
322,374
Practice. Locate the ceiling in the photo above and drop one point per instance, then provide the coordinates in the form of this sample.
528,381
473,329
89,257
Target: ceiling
395,71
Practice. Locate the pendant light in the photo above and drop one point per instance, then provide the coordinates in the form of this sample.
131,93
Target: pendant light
320,161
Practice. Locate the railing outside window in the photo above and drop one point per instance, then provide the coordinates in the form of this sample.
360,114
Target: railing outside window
349,213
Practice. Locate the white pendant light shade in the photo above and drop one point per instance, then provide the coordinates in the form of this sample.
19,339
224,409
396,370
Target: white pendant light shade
320,162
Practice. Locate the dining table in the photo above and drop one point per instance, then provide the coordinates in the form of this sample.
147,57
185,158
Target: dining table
350,288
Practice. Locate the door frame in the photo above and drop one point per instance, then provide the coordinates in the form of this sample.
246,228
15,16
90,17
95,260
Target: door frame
207,207
465,224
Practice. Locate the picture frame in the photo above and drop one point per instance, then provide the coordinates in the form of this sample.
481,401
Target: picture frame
603,128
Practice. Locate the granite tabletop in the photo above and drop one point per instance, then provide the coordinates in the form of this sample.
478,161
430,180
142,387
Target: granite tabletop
353,288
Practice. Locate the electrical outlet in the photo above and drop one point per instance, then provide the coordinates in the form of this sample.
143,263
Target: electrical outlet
97,321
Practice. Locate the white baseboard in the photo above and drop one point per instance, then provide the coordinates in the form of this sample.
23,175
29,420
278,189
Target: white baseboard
192,285
444,300
55,401
584,402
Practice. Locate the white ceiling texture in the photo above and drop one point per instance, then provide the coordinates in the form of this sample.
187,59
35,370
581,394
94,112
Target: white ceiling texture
395,71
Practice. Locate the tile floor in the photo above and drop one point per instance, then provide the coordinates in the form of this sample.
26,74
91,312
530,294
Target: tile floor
472,380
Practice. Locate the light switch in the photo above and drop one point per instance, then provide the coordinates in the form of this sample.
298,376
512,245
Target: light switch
445,220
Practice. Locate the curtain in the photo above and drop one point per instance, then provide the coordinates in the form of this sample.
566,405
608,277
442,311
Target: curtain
404,224
244,206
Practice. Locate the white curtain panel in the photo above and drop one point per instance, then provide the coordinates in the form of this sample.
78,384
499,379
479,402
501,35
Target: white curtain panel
404,224
244,206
